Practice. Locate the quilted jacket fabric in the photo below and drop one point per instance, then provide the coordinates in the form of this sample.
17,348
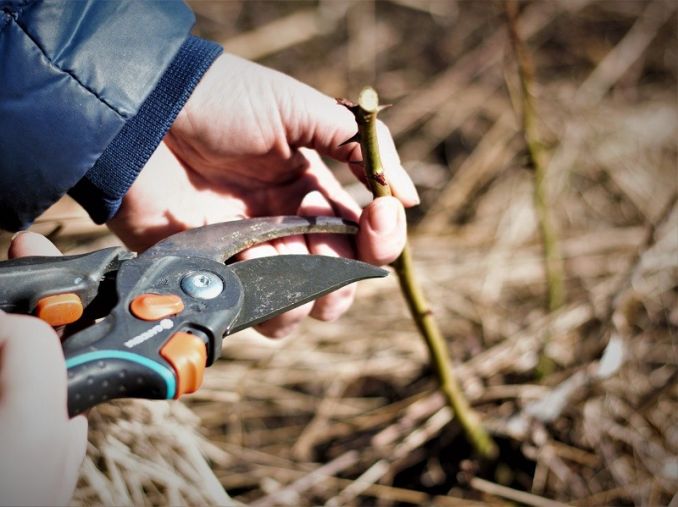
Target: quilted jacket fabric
88,89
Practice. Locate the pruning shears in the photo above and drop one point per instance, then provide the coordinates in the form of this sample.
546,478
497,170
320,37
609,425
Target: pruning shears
166,310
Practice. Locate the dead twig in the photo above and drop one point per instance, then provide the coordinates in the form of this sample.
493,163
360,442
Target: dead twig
515,495
308,481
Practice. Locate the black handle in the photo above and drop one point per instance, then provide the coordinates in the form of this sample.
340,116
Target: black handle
25,281
101,368
126,356
105,375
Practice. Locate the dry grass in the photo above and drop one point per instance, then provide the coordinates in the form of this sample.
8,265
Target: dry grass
346,413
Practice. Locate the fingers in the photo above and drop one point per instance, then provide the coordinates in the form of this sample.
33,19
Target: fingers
383,225
29,243
318,122
383,231
381,238
328,307
317,203
31,349
333,305
32,369
151,211
45,447
75,448
33,379
324,181
285,323
399,181
401,184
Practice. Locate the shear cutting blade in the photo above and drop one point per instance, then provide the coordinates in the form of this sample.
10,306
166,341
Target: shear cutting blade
274,285
222,241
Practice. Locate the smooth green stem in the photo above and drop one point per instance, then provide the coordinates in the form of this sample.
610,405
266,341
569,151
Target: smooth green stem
440,356
366,116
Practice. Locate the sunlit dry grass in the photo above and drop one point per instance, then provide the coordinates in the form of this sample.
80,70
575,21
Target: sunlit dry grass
346,413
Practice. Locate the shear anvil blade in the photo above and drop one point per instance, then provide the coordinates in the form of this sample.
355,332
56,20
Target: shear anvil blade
222,241
276,284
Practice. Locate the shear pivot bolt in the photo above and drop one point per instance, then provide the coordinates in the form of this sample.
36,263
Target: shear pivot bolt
202,285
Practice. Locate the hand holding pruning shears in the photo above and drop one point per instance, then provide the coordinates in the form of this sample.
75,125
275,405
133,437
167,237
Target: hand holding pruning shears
248,144
43,447
166,310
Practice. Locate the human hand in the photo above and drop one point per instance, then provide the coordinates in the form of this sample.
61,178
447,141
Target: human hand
40,448
248,144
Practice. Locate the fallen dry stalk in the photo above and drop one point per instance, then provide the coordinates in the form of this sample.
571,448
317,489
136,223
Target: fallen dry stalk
511,494
365,112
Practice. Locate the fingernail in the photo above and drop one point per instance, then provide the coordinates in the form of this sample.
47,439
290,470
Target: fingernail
412,194
385,215
17,234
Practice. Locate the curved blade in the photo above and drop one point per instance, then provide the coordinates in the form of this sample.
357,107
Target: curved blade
222,241
274,285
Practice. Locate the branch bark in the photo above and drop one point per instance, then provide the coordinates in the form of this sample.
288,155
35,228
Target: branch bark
365,112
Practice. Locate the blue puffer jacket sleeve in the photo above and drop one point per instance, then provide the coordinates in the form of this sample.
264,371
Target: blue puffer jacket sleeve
88,89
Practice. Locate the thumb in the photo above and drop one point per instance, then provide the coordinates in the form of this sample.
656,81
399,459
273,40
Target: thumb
383,231
29,243
30,348
31,365
325,125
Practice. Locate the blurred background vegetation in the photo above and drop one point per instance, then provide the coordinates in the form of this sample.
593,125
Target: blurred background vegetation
347,413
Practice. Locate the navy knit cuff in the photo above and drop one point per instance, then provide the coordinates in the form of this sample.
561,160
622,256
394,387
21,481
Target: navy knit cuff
101,190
